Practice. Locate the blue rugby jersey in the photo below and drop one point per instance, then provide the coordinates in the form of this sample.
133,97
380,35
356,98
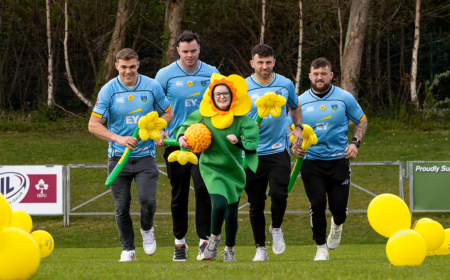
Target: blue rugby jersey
273,132
184,90
329,117
123,107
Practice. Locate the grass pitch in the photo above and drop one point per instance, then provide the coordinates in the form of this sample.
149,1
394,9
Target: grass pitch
346,262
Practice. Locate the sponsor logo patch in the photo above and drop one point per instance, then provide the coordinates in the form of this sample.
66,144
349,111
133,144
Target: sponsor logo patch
310,109
276,146
120,100
254,95
179,83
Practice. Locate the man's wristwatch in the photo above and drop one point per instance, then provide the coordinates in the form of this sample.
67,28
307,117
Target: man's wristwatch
299,125
356,142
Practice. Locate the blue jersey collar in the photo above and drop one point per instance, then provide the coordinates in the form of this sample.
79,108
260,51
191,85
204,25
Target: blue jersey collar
263,85
187,73
127,88
313,95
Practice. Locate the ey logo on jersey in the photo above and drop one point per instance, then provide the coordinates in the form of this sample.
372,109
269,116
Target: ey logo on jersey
191,102
144,98
322,125
334,107
203,82
132,119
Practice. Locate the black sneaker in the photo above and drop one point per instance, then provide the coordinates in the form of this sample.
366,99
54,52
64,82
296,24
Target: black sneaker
201,251
180,253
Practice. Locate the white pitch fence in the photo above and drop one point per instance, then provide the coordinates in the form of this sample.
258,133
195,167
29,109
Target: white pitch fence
74,210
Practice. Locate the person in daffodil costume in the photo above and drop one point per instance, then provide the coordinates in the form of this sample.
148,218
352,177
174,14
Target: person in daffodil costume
223,110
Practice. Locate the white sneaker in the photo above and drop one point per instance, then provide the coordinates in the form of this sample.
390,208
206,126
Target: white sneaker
321,255
201,251
128,256
261,254
148,241
278,245
335,235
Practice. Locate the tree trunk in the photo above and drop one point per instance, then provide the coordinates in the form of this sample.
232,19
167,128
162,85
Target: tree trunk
50,100
263,22
389,90
414,98
86,40
174,26
340,35
117,39
300,45
354,43
66,59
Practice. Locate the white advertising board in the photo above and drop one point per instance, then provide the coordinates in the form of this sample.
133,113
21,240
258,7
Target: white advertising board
36,189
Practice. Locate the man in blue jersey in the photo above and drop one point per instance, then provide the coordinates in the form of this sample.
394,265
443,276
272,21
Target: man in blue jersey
273,151
122,101
184,83
326,166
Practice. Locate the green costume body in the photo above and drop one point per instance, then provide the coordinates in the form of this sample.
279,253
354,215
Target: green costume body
221,164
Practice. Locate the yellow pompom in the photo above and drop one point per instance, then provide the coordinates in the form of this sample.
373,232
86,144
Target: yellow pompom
198,137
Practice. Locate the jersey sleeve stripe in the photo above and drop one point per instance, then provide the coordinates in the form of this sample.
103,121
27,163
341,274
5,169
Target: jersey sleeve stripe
96,115
168,108
363,117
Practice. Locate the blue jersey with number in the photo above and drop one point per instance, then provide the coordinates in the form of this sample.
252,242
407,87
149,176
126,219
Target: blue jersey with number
123,107
329,117
273,132
184,90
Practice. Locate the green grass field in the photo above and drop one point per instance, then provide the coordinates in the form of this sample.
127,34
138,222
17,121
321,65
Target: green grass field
346,262
89,248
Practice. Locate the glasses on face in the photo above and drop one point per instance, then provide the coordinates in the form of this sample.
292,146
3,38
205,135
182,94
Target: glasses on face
224,94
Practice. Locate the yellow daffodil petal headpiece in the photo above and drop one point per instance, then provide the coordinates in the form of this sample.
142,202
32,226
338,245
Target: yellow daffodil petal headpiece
240,101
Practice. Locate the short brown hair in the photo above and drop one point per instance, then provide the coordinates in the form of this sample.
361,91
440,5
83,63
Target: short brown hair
262,50
188,36
126,54
321,62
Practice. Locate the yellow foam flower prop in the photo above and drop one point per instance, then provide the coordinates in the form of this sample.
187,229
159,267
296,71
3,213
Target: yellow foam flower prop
150,125
309,137
240,101
270,103
183,157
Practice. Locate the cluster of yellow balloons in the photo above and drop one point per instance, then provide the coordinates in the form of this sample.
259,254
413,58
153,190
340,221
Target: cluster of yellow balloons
20,251
389,215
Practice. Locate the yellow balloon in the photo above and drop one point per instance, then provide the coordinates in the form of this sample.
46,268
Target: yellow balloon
406,247
19,254
445,247
21,219
44,241
387,214
432,232
5,213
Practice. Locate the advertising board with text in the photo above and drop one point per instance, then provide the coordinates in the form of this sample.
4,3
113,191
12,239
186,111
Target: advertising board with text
36,189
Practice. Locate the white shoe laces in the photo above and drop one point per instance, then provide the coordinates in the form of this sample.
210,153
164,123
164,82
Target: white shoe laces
148,237
277,235
336,233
